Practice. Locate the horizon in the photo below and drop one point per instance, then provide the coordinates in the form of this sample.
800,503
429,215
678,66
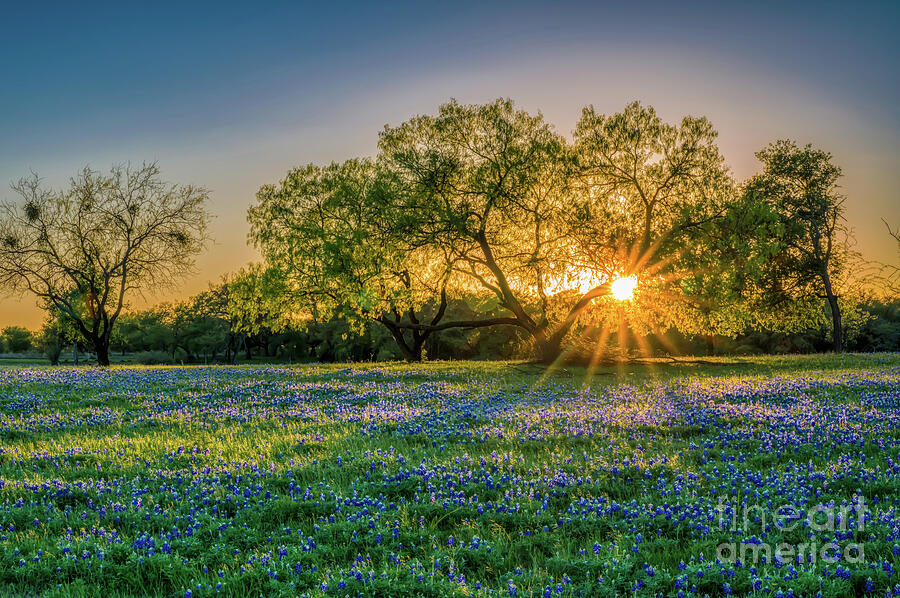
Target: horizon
231,100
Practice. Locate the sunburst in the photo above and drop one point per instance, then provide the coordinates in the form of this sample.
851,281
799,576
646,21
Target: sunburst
644,275
623,288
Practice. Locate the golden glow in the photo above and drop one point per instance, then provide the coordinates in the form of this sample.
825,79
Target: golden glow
623,288
582,280
585,281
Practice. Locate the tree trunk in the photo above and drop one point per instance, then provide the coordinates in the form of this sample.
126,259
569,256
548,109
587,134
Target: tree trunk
710,345
236,351
418,345
836,323
412,352
838,333
413,356
549,348
102,348
53,353
75,353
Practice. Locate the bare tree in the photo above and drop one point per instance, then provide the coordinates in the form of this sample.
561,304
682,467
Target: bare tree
83,250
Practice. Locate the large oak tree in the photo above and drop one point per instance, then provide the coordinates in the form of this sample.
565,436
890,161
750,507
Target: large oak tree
545,227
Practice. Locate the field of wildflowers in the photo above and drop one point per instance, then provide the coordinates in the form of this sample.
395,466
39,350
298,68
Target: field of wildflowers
772,479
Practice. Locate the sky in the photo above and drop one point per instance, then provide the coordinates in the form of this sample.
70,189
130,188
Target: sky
231,96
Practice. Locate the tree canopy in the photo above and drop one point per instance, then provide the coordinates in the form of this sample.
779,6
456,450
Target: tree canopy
490,200
335,236
800,187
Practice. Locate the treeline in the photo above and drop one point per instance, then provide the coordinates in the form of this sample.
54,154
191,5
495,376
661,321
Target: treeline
148,333
180,333
477,231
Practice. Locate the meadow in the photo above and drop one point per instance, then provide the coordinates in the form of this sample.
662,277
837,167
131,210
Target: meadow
453,479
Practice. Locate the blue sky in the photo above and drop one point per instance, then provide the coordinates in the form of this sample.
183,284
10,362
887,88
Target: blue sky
230,96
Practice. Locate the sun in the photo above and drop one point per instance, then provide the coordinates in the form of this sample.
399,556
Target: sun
623,288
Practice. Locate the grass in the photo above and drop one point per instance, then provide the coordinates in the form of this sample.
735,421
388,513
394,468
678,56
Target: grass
448,478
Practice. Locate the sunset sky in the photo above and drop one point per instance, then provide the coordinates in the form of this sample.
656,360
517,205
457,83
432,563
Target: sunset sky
230,97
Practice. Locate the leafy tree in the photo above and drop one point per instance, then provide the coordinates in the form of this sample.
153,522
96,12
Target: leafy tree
800,187
545,228
15,339
145,330
486,185
199,325
881,331
83,250
340,246
258,304
656,201
208,328
56,332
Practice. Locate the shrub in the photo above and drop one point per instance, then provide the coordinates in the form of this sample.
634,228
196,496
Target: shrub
153,358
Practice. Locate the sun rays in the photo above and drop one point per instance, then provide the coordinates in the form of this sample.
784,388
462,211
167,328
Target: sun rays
628,309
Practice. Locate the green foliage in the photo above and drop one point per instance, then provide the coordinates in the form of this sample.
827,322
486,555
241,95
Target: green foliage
800,188
152,357
486,184
331,234
259,299
880,329
488,201
337,246
15,339
56,332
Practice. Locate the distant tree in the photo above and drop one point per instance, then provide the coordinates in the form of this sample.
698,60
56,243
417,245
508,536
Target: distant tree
200,325
56,332
259,305
144,330
15,339
800,186
51,344
84,250
880,332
